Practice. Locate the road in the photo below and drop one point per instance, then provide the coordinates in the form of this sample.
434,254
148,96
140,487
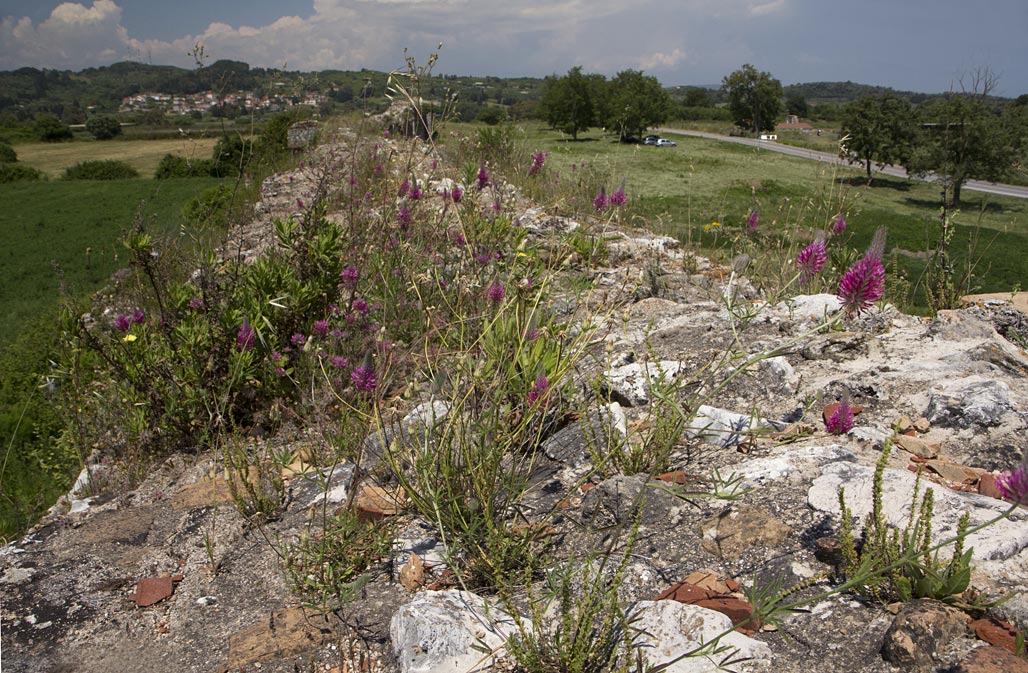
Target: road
894,171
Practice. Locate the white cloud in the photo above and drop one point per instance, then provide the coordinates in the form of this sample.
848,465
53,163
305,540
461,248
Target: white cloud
73,36
766,8
661,59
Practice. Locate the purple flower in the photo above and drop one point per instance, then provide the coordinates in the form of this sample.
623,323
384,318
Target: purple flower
404,187
350,275
280,372
403,218
364,379
753,220
618,198
1013,484
299,203
246,337
496,293
339,362
298,340
839,226
196,303
320,328
538,389
864,283
600,202
483,177
457,194
415,194
811,260
275,356
138,317
122,323
841,420
360,306
538,159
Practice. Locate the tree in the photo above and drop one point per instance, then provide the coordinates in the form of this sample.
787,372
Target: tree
567,102
879,129
634,103
696,96
50,129
970,136
103,127
755,98
796,104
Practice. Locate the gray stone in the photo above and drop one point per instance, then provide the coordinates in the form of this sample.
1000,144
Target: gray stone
922,629
969,402
630,384
575,444
779,370
810,306
793,462
450,632
724,428
669,629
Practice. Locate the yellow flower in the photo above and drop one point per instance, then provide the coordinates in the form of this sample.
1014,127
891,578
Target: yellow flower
713,225
128,338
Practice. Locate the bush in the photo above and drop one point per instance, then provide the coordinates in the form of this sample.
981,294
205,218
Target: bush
19,172
7,154
231,156
101,170
50,129
103,127
210,208
172,166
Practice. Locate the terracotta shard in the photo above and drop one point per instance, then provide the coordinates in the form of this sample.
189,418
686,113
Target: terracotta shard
412,574
996,632
150,590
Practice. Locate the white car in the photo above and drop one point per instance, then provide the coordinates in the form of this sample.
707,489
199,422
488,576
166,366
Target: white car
664,142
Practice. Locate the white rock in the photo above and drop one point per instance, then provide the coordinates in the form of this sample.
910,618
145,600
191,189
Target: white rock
967,402
810,306
1002,540
671,628
779,368
425,416
632,382
449,632
795,460
721,427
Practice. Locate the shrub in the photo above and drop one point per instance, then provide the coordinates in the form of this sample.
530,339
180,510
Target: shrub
50,129
173,166
103,127
210,208
19,172
107,169
231,156
7,154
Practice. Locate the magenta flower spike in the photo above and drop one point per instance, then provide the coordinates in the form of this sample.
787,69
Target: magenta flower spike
496,293
811,260
1013,484
753,220
483,177
839,226
864,283
600,202
841,420
246,337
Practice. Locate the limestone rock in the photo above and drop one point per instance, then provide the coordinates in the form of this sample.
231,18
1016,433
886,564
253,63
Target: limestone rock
630,384
921,629
449,632
969,402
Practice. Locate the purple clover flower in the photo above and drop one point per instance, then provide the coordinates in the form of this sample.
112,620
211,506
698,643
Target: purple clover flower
864,283
350,276
246,337
753,220
600,202
839,226
320,328
415,194
122,323
404,218
196,303
496,293
538,159
364,379
361,306
1013,484
457,194
538,389
811,260
138,317
618,198
339,362
404,188
841,420
483,177
298,340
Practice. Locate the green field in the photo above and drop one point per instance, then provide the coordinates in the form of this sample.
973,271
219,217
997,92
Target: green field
679,190
65,236
143,155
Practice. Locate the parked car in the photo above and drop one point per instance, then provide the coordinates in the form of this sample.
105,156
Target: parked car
664,142
651,140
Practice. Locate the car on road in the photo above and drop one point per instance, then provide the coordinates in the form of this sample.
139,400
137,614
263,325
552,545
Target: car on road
664,142
651,140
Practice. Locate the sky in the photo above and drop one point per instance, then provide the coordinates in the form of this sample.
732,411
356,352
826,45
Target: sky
917,45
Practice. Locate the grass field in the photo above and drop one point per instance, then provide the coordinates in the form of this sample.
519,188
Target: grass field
679,190
67,234
54,158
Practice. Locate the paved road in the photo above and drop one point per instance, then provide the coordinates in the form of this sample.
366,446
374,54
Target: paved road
973,185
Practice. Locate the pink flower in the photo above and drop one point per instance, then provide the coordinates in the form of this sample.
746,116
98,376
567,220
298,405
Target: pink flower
350,275
364,379
811,260
538,389
841,420
1013,484
138,317
753,220
496,293
298,340
320,328
457,194
339,362
404,187
538,159
246,337
195,303
864,283
483,177
122,323
839,226
600,202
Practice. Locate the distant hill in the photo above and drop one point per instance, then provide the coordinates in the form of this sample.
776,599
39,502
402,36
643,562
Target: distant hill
844,92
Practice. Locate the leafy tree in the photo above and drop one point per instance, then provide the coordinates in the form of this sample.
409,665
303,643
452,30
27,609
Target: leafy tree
697,96
491,115
795,104
635,102
7,154
755,98
969,136
50,129
103,127
879,129
106,169
568,102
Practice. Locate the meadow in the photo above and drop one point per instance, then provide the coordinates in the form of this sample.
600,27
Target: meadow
143,155
680,191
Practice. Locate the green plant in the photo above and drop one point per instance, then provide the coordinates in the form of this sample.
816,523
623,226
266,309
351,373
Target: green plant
174,166
101,170
914,571
7,154
20,173
103,127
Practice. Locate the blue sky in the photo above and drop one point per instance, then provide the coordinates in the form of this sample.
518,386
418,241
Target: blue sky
920,45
